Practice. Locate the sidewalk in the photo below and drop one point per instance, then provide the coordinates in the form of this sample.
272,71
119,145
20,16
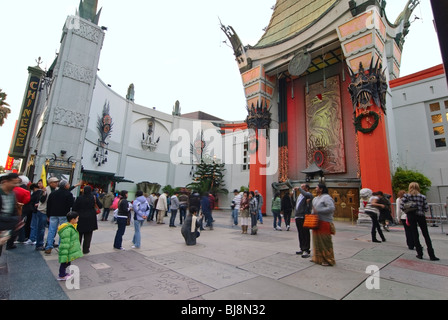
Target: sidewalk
227,265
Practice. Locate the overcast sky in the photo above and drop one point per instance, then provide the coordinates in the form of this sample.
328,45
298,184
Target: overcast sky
171,50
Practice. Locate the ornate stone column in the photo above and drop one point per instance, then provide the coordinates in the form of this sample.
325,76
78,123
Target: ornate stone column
258,88
363,40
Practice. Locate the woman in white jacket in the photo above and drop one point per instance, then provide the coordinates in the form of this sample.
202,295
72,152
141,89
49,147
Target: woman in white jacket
162,207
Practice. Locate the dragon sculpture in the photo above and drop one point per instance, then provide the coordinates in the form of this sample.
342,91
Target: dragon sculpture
366,86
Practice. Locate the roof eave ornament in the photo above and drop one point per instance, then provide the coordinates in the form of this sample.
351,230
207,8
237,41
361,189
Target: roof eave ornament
244,63
403,22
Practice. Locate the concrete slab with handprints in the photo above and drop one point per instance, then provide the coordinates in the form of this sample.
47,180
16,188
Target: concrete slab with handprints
333,282
262,288
177,260
278,265
101,269
216,275
167,285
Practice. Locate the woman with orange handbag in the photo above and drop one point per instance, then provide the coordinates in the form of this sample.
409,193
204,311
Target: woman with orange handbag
323,206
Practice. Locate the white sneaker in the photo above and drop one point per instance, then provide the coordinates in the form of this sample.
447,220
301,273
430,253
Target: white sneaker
30,242
279,228
66,277
287,228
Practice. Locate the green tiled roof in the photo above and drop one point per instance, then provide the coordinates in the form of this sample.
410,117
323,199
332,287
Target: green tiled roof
291,17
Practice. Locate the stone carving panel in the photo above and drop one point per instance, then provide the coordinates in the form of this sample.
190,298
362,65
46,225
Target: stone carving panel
78,73
69,118
88,32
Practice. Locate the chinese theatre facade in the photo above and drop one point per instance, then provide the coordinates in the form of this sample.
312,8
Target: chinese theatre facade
320,73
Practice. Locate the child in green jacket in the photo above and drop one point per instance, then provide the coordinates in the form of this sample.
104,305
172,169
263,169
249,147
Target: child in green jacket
69,247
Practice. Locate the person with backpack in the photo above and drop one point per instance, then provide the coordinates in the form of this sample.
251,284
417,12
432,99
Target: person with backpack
108,200
372,209
141,212
416,216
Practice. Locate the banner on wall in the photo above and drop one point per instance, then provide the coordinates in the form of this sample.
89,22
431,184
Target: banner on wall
9,163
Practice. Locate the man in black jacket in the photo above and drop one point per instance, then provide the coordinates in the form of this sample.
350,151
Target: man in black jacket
59,203
286,209
303,206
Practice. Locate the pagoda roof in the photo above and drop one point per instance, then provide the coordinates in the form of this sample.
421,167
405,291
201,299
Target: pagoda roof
291,17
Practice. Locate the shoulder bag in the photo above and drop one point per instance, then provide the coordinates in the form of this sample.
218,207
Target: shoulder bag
311,221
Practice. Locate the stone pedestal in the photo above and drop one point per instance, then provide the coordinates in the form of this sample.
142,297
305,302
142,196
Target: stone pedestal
363,219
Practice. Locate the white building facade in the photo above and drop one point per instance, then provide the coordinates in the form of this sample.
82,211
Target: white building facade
420,111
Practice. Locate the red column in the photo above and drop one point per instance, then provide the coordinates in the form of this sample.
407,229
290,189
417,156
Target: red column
374,153
257,180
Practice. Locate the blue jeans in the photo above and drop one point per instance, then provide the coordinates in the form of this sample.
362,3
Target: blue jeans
63,269
53,229
182,213
278,217
253,218
40,229
151,213
33,233
136,240
260,216
208,219
105,214
173,217
235,216
121,223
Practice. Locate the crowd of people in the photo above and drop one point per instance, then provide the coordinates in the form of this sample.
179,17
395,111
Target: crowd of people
411,207
301,201
247,205
27,209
